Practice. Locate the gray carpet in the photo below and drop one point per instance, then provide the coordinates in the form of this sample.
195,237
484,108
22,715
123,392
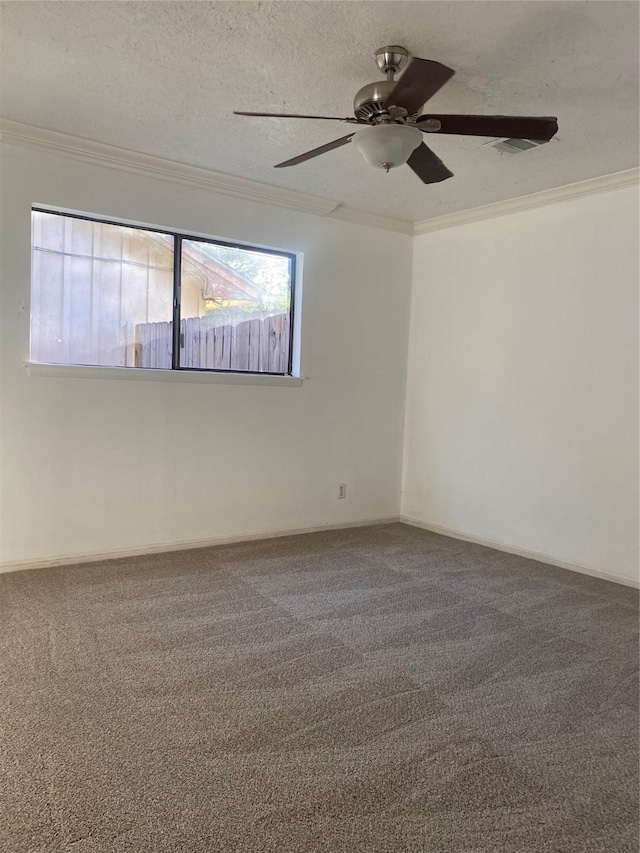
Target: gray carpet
377,689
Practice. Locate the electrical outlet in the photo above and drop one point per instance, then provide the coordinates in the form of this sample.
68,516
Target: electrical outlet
342,490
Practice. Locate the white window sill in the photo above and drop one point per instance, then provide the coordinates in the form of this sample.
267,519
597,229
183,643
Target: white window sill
146,374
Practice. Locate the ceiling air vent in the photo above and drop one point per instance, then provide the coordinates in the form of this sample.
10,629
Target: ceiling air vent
515,146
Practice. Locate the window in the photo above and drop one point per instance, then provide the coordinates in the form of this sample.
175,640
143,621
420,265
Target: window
117,295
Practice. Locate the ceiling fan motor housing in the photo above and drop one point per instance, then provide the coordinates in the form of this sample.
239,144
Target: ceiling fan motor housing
368,104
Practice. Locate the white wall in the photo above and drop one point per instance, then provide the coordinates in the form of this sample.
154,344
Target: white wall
522,396
94,465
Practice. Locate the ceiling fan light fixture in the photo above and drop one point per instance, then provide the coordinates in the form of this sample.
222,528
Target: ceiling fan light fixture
386,146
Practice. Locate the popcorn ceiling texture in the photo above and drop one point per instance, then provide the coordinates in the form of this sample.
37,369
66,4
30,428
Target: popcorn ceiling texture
361,691
164,77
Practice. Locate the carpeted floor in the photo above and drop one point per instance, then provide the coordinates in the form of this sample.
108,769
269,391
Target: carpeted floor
370,690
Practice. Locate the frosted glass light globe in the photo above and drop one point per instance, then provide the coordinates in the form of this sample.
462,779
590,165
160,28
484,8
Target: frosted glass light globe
386,146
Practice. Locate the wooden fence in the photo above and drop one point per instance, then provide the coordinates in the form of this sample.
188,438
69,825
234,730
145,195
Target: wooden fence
256,345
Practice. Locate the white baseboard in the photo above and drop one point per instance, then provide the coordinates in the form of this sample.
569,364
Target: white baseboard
520,552
183,545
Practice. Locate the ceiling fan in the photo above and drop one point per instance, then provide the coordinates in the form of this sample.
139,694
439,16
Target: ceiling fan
390,113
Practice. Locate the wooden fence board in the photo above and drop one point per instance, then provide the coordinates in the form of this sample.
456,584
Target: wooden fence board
202,360
240,348
260,345
227,344
285,343
167,347
218,347
153,345
274,327
254,327
263,347
186,344
210,347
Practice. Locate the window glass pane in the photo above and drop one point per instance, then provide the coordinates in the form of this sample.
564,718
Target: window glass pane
100,294
235,308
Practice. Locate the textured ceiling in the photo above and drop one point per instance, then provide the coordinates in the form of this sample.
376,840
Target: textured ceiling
163,78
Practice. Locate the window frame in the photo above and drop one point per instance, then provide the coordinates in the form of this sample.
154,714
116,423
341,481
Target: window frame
178,237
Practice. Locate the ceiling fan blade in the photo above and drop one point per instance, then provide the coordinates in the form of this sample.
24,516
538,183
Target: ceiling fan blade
337,143
295,115
422,79
429,168
509,127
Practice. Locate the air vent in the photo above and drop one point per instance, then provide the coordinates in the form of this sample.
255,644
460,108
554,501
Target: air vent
516,146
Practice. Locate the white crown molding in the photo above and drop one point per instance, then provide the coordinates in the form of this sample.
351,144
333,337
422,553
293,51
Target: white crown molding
604,183
372,220
29,136
124,159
